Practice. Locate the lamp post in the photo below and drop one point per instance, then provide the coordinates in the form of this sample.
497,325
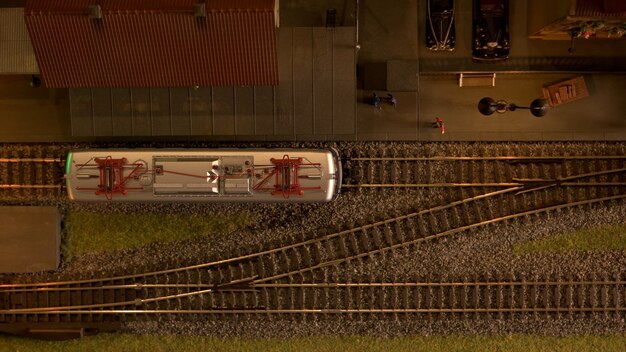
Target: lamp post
487,106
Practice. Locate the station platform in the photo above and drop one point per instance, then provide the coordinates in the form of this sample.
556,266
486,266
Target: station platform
324,88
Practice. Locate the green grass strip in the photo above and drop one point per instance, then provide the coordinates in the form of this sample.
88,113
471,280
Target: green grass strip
125,342
95,232
601,238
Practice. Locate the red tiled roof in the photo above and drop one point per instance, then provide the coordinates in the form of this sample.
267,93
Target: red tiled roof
600,8
152,43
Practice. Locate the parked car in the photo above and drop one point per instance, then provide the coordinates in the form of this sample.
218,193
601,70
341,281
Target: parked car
491,30
440,29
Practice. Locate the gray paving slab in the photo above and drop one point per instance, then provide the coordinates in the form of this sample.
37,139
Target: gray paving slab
401,136
81,112
201,105
344,107
344,81
615,136
323,84
528,136
303,80
30,237
429,137
223,111
322,53
588,136
310,137
121,112
369,119
323,107
285,114
389,30
372,76
102,122
220,138
181,111
244,110
284,117
341,137
303,108
265,109
401,119
160,111
402,75
557,136
251,138
458,136
281,137
344,54
491,136
141,113
372,137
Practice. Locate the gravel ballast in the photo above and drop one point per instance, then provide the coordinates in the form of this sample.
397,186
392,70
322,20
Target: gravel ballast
485,252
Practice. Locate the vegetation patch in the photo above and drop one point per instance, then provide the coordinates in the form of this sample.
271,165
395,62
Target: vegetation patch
95,232
601,238
125,342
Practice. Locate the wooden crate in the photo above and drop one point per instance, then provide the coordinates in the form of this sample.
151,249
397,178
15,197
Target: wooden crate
566,91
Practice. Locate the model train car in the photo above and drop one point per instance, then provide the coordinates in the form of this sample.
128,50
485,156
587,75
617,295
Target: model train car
197,175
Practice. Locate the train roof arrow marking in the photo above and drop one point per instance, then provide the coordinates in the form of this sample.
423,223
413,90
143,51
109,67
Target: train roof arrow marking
211,176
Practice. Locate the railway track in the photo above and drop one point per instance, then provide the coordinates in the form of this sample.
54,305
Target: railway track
33,173
242,285
497,295
31,177
488,171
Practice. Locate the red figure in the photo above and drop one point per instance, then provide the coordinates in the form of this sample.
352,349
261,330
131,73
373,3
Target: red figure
439,124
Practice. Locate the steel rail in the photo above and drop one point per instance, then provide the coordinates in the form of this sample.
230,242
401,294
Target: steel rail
431,237
6,186
482,158
573,177
573,309
432,185
472,284
139,301
137,286
31,160
438,284
117,278
218,288
494,184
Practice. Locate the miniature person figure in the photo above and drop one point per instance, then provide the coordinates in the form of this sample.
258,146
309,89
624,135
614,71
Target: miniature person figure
391,100
376,101
35,81
440,125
